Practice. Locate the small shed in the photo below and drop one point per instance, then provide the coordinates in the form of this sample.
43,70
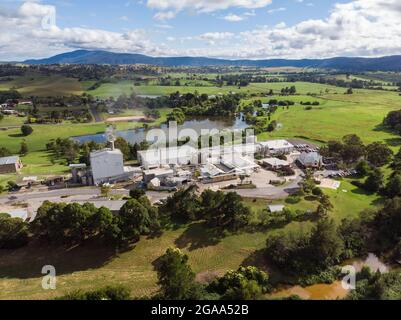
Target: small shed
11,164
276,208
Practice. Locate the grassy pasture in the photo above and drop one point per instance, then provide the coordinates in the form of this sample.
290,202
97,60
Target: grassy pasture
339,114
89,267
39,85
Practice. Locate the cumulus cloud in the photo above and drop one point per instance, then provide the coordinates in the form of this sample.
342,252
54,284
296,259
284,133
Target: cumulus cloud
233,17
206,5
30,32
356,28
213,37
361,27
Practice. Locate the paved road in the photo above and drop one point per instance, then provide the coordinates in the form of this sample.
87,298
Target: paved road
96,114
90,192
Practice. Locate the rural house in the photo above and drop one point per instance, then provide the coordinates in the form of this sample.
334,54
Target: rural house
310,160
11,164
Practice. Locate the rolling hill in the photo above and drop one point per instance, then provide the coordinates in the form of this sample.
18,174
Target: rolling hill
390,63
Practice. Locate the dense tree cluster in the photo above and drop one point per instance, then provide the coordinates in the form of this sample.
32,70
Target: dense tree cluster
393,120
12,95
14,232
177,281
60,223
220,210
113,293
306,253
376,286
351,149
246,283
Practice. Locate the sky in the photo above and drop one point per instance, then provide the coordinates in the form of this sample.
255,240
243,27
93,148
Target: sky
233,29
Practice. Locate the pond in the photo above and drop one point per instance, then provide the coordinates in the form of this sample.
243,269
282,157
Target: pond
196,123
334,290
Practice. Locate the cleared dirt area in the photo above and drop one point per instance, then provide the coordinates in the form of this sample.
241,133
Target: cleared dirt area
127,119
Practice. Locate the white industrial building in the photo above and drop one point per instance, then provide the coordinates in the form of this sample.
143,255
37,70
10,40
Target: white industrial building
154,158
274,163
108,166
273,147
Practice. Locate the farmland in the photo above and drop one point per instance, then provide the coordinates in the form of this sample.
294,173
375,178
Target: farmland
89,266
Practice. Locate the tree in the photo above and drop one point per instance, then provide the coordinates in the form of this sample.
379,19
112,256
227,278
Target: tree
378,154
73,223
175,277
325,202
308,184
4,152
387,223
13,232
247,283
124,147
231,214
105,190
136,219
396,164
184,205
23,148
137,193
177,115
374,181
393,186
353,148
103,224
325,246
117,293
377,286
26,130
355,237
362,168
303,253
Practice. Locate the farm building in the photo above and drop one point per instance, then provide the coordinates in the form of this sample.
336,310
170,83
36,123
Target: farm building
159,173
311,160
276,208
274,163
108,166
154,158
11,164
24,214
237,164
273,147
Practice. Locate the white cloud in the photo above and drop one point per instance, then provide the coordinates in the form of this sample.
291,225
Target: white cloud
206,5
233,17
164,15
356,28
271,11
22,35
213,37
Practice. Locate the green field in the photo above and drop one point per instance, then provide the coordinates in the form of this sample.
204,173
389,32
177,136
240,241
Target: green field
44,85
127,87
338,115
88,267
11,121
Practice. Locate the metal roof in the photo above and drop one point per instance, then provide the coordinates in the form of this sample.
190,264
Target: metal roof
276,208
9,160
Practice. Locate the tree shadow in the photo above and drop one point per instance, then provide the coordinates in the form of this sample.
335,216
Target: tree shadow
27,262
393,142
16,135
197,236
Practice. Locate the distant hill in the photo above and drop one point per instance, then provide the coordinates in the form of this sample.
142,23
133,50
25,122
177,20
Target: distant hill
390,63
